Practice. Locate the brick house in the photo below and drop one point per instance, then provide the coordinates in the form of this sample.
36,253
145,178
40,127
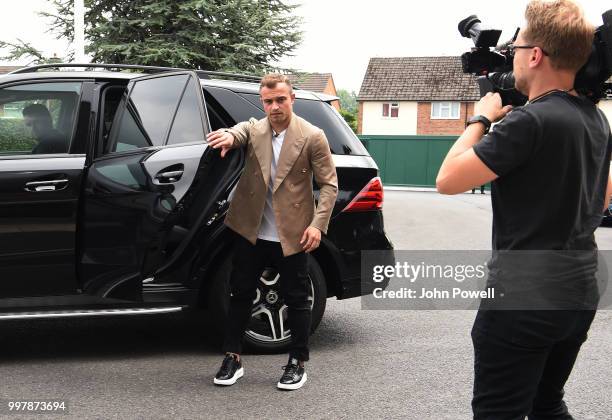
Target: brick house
316,82
420,96
415,96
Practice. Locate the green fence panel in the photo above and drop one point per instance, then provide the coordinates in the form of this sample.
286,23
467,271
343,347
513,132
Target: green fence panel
437,152
408,160
378,151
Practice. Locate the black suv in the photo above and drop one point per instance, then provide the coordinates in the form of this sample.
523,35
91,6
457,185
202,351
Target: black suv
112,203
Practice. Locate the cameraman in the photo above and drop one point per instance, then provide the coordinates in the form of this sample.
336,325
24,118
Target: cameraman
549,162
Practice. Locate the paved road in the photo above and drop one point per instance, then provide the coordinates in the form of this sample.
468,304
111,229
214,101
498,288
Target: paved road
365,364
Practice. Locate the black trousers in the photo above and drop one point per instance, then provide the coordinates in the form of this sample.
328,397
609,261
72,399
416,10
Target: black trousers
522,360
249,262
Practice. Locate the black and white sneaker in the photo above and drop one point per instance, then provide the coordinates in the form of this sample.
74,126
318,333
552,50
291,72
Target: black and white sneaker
231,370
294,376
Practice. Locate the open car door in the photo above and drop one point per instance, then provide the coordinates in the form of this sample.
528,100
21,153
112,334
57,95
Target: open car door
132,198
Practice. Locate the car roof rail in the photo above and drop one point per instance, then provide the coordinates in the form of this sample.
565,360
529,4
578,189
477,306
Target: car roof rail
34,69
202,74
206,74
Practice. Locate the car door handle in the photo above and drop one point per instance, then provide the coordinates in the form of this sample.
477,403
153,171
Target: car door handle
50,185
169,176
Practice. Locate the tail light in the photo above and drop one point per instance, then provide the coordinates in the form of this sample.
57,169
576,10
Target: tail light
370,198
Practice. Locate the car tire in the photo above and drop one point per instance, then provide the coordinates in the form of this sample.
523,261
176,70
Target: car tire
256,339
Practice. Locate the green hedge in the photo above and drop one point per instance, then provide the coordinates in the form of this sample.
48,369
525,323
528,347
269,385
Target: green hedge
14,137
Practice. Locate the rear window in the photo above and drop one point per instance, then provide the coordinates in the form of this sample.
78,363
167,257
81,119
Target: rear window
342,140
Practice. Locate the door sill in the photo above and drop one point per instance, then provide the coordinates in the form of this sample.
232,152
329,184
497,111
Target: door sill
89,312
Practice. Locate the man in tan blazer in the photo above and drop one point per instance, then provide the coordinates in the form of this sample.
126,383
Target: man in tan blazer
274,214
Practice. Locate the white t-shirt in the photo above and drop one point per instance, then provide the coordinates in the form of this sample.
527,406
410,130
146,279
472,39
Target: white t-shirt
267,230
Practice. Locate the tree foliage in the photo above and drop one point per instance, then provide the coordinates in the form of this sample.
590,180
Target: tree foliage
14,136
348,107
20,48
350,118
348,100
226,35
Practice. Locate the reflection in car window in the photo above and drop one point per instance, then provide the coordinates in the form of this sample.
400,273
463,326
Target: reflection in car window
124,170
149,111
38,118
70,87
132,134
187,126
159,111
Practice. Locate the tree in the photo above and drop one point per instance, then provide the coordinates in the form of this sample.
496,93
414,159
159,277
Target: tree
348,100
226,35
348,107
350,118
19,49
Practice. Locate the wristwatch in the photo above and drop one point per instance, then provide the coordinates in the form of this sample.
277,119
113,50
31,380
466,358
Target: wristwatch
481,119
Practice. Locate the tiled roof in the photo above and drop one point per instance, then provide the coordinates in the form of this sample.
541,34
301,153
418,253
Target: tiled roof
417,79
8,69
315,82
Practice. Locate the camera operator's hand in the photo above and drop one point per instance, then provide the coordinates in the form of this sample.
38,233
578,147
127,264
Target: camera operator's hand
490,106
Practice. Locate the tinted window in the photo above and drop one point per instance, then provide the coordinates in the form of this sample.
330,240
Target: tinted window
111,98
342,140
236,106
149,111
38,118
187,126
217,116
132,134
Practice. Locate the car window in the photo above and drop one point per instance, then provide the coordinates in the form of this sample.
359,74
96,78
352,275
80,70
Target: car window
132,133
148,112
342,140
217,115
224,101
159,111
187,125
38,118
111,98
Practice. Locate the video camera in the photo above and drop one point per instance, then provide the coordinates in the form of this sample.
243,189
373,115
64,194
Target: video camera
492,63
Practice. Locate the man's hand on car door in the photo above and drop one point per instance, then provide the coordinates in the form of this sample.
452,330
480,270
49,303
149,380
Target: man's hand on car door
221,139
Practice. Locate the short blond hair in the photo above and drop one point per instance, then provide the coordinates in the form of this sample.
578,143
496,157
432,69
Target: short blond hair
560,29
270,81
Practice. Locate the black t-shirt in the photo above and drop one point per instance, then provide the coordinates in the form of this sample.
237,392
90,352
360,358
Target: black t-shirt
552,158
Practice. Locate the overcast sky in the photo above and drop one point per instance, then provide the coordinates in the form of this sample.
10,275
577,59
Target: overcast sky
340,36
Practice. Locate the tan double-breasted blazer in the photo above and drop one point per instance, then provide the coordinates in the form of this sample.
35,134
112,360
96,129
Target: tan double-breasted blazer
305,153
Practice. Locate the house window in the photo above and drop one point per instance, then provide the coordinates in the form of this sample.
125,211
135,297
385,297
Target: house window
445,110
390,110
